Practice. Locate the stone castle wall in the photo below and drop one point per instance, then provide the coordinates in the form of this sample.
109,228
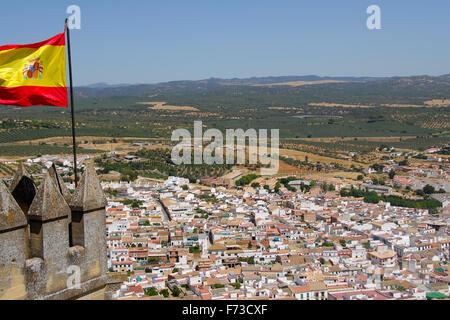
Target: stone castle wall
52,243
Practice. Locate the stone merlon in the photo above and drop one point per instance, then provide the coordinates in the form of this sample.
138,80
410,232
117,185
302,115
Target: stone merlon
22,188
48,203
89,194
11,216
59,183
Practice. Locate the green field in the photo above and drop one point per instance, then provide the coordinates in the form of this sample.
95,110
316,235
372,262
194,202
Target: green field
38,150
115,112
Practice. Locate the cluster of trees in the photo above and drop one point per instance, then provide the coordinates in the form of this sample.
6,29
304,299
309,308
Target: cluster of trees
236,285
445,151
298,163
327,244
158,162
326,187
285,182
217,286
246,179
250,260
153,292
133,203
420,156
377,181
373,197
112,192
378,167
11,123
303,187
124,168
195,249
427,190
153,260
208,198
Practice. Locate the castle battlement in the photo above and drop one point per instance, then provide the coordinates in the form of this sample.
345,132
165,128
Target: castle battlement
52,242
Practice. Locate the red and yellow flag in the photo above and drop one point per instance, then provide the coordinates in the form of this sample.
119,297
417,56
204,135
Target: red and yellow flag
34,74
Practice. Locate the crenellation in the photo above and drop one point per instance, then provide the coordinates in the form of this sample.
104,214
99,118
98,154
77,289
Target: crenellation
22,188
88,217
59,183
48,216
39,258
13,246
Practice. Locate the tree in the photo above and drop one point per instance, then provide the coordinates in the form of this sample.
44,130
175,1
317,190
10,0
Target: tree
153,260
378,167
246,179
391,174
433,211
428,189
236,285
151,291
176,291
194,249
360,177
327,244
164,293
277,186
185,187
322,260
420,192
251,260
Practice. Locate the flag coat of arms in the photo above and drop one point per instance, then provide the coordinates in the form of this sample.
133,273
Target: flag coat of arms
34,74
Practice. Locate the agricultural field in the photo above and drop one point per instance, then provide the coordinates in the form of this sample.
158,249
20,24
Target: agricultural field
19,150
161,105
413,112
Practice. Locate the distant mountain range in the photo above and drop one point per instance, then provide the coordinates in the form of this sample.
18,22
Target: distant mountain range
238,81
422,82
255,80
106,85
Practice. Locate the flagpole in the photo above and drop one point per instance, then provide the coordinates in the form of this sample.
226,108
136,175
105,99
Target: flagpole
71,106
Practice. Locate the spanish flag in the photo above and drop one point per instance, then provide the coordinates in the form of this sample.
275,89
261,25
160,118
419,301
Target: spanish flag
34,74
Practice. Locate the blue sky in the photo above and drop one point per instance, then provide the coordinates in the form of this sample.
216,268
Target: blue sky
153,41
